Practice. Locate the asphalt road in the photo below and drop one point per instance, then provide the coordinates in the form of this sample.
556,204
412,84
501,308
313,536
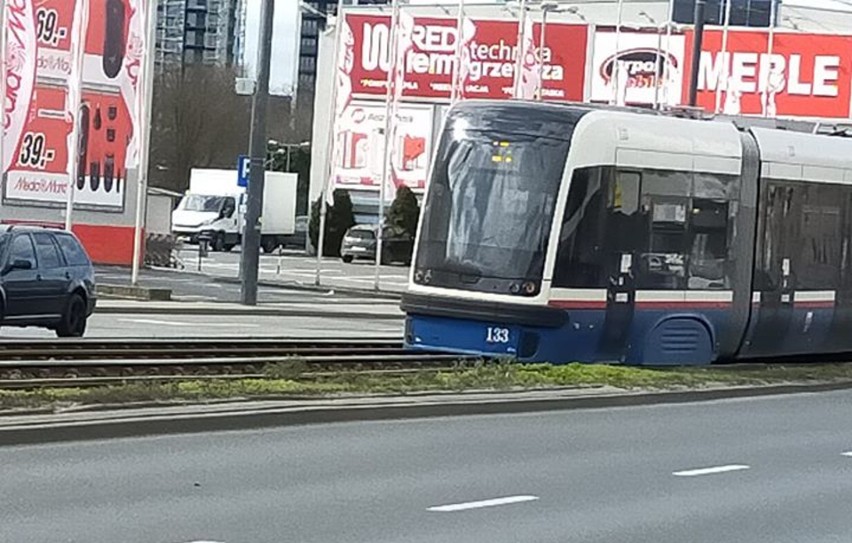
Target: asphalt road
768,470
296,267
218,325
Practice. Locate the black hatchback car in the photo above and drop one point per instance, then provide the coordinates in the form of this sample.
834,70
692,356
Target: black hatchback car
46,280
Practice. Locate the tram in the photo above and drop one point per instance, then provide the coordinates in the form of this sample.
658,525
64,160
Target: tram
568,232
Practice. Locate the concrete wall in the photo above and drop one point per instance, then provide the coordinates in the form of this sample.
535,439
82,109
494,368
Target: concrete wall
107,235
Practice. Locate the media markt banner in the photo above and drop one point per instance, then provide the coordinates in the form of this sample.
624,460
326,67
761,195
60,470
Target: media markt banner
490,54
362,146
40,40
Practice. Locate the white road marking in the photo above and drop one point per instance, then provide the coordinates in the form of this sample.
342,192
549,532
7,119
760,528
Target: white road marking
156,322
847,453
709,471
482,503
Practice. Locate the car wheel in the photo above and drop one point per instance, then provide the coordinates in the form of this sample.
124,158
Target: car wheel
347,258
73,323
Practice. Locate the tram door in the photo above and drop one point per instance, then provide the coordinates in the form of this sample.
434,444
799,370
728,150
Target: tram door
624,222
775,279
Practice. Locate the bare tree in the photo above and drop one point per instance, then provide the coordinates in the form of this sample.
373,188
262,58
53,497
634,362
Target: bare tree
199,122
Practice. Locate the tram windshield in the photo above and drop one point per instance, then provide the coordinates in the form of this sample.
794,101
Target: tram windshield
492,195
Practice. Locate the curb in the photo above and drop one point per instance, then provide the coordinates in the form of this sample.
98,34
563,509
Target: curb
126,292
346,291
178,309
320,413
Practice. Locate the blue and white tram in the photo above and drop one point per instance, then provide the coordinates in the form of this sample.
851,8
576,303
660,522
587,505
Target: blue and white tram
565,232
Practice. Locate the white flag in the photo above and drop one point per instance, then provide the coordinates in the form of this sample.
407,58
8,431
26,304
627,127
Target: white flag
404,44
468,33
342,98
131,70
529,64
20,73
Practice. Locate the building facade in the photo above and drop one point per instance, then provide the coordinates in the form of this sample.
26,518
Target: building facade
805,74
200,32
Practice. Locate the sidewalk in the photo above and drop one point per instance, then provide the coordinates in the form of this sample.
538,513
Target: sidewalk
115,421
378,309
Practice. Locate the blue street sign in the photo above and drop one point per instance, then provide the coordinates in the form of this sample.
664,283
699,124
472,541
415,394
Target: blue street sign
243,170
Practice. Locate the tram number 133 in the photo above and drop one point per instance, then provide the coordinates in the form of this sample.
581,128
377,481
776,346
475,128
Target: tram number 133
495,334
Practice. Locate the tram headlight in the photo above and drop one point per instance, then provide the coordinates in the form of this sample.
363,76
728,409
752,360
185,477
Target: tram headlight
427,277
418,276
515,288
529,288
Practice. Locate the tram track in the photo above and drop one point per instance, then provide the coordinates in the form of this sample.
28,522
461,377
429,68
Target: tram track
99,363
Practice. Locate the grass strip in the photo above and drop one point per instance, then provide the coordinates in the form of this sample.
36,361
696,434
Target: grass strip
291,379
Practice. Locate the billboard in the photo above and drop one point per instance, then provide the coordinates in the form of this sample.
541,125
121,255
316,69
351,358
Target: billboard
806,75
37,170
361,146
641,62
491,51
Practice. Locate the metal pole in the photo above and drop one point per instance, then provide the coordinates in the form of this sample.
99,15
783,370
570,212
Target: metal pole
287,163
726,72
332,145
2,87
388,156
769,47
144,127
519,54
250,253
74,97
616,64
454,92
540,89
657,67
669,13
697,40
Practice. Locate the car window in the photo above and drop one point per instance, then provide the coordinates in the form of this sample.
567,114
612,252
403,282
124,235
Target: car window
22,249
48,255
74,253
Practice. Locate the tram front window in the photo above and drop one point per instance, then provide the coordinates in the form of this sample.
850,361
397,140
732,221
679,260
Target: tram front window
490,205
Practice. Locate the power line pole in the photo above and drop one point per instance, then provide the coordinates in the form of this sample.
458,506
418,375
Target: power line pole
697,39
250,250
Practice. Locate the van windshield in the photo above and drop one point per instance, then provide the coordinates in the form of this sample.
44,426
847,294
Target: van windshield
199,202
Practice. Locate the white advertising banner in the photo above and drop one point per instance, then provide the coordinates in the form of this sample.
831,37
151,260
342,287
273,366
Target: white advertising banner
361,141
640,61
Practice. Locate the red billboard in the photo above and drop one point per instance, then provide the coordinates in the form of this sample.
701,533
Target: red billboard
429,63
806,75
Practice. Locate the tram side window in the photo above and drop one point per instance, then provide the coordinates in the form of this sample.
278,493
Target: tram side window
713,216
602,220
819,251
776,233
665,198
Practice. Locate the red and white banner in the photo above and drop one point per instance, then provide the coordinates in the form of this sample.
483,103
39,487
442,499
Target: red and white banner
491,48
529,77
20,76
807,75
342,99
641,62
361,141
404,44
468,32
38,122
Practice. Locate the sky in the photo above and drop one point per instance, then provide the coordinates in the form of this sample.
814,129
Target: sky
283,41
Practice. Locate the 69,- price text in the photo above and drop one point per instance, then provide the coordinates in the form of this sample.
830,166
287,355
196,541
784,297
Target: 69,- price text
33,153
48,30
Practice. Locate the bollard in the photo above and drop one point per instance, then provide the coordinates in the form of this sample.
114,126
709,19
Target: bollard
203,247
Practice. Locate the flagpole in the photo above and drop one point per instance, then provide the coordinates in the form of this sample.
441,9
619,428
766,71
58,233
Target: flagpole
454,92
144,128
331,156
669,14
74,100
726,65
540,83
518,50
615,78
392,42
769,46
